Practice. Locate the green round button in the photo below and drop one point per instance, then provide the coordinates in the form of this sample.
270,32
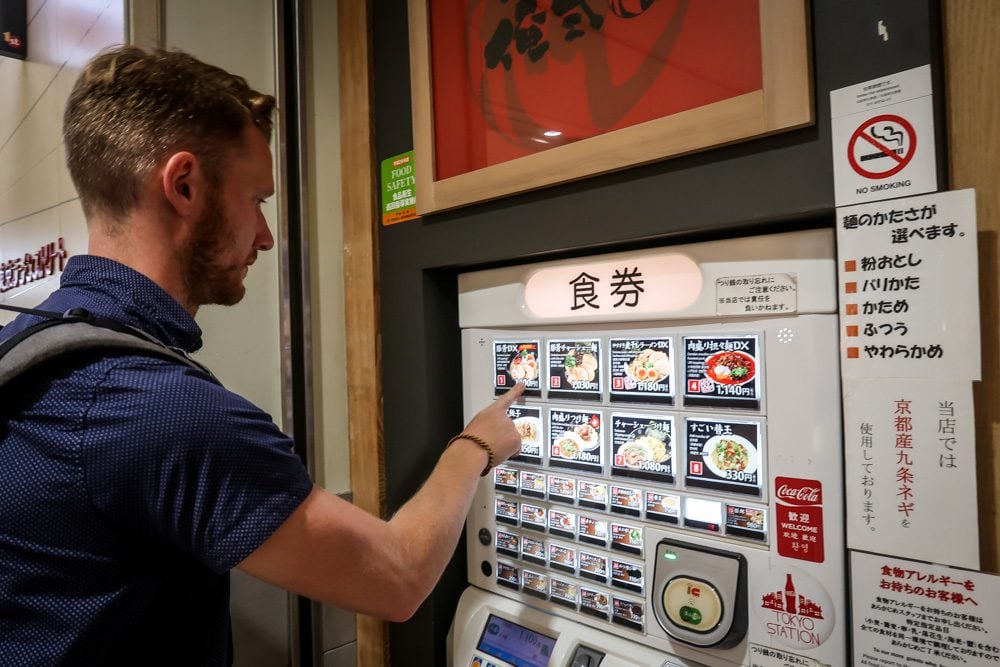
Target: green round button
690,615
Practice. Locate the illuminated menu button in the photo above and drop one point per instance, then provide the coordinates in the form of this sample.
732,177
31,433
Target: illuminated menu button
692,604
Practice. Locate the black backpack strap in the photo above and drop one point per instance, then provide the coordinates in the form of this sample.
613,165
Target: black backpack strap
77,330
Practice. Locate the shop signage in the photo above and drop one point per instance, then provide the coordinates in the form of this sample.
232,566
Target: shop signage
883,138
908,271
910,469
647,284
908,613
30,267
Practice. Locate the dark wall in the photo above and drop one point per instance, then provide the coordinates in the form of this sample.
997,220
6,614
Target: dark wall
776,183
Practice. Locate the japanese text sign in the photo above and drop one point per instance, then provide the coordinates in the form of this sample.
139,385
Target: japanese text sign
910,613
908,273
910,469
648,284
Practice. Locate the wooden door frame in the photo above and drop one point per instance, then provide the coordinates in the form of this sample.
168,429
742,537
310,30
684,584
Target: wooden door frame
361,288
971,54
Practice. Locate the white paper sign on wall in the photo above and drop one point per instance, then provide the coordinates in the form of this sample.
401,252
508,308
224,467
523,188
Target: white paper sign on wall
909,297
907,613
910,469
883,138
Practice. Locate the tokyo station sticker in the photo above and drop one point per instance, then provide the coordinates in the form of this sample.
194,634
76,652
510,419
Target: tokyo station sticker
641,370
576,439
516,361
575,369
724,455
793,607
528,422
722,371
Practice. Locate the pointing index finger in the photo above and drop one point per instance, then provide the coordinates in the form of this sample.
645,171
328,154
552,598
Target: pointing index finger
506,400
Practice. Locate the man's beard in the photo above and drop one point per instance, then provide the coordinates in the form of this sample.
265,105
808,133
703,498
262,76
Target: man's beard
207,281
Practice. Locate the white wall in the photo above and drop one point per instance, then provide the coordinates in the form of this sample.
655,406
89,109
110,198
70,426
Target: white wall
38,204
322,108
242,342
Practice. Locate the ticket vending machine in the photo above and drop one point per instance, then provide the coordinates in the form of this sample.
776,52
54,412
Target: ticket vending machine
678,498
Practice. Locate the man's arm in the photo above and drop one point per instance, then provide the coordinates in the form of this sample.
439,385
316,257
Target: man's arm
334,552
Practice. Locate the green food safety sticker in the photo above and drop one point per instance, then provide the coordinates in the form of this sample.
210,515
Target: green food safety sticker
399,200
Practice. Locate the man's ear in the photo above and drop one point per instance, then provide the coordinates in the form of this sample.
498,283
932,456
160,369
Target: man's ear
181,182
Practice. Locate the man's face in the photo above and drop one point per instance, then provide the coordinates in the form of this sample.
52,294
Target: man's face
231,228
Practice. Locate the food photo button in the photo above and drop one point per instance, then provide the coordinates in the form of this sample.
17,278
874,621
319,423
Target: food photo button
641,370
516,362
722,371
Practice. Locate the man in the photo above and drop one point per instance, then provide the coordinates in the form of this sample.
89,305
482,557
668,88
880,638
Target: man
130,485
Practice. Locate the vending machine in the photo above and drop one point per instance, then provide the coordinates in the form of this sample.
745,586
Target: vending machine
678,497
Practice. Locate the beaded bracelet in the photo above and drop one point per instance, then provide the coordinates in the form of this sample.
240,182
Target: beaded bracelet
482,443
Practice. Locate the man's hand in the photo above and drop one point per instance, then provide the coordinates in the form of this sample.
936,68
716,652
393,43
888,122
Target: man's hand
494,426
329,550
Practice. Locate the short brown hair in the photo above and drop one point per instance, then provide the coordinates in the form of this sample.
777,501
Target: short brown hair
131,108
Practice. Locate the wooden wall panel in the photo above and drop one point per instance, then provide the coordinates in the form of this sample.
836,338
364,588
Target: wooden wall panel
972,71
361,316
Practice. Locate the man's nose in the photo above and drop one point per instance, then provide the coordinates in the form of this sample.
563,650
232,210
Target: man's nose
264,240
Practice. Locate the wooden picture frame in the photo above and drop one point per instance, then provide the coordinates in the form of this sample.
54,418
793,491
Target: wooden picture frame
782,101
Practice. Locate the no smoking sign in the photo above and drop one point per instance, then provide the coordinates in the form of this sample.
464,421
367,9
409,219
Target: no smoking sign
882,146
883,138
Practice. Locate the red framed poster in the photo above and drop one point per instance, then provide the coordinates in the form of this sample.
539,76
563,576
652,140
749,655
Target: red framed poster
514,95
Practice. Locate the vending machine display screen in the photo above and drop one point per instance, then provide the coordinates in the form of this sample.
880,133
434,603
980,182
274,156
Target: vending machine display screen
515,643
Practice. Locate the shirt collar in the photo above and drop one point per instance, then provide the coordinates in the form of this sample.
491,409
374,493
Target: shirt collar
111,289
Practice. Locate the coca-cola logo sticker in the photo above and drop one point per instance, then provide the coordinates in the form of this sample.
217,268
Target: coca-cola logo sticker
798,518
795,491
793,608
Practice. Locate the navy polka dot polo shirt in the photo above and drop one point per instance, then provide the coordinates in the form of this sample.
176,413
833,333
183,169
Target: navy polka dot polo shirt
129,487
